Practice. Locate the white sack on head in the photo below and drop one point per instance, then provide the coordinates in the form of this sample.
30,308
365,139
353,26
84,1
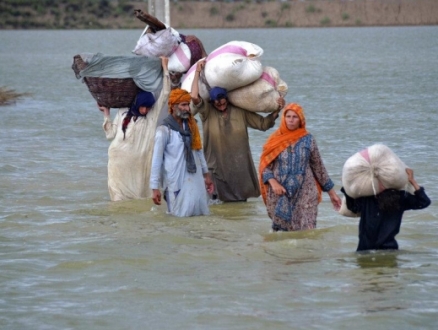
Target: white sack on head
261,95
187,82
161,43
373,170
179,61
233,65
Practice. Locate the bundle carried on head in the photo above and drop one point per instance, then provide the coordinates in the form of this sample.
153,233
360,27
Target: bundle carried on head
236,66
262,94
160,40
114,81
112,93
233,65
161,43
372,170
230,66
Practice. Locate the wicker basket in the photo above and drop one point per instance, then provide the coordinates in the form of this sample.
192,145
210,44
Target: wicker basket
109,92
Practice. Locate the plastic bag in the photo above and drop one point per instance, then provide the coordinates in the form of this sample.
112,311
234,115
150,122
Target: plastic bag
161,43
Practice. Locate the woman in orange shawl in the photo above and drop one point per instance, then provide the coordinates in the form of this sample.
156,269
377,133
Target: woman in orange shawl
292,174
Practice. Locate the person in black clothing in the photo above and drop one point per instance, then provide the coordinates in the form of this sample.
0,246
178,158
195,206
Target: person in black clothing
381,215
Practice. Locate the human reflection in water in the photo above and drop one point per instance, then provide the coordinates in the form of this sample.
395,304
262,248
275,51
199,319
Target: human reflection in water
379,284
369,259
379,273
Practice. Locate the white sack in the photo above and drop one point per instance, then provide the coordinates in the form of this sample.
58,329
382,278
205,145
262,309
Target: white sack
261,95
233,65
187,81
345,211
372,170
179,61
161,43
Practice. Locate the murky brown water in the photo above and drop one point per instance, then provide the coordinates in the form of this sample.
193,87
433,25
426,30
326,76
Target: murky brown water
70,259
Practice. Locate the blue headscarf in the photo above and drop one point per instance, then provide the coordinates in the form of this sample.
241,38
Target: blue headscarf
143,99
217,93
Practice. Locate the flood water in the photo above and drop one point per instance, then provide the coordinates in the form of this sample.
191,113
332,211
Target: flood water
72,259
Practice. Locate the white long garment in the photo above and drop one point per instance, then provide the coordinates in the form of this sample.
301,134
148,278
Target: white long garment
185,192
129,157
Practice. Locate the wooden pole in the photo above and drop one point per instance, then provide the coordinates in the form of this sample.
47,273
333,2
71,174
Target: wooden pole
160,9
167,12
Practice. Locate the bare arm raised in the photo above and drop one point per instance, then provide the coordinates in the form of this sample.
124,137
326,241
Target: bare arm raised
194,92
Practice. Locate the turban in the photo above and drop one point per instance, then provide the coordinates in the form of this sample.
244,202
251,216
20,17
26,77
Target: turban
177,96
217,93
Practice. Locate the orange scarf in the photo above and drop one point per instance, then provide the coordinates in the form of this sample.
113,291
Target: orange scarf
280,140
177,96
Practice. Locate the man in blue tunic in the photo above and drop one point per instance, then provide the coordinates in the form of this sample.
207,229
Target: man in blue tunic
178,161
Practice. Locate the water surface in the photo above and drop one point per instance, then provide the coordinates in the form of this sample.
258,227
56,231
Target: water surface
71,259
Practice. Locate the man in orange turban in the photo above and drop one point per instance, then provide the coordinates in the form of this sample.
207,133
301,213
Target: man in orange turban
178,161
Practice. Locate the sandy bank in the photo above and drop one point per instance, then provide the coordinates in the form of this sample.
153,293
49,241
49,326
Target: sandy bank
298,13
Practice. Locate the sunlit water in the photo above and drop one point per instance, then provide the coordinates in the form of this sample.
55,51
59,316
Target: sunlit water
71,259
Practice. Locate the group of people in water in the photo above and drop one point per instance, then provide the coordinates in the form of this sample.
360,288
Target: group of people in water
187,171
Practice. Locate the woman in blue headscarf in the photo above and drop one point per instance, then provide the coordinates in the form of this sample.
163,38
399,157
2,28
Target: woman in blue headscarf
132,133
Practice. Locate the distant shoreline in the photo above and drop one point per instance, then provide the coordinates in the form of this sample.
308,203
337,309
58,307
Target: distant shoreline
221,14
296,13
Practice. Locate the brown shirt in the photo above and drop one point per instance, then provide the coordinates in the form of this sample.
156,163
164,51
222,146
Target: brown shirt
227,150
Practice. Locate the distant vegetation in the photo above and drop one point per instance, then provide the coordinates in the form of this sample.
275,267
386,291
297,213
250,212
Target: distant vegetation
69,14
8,96
119,14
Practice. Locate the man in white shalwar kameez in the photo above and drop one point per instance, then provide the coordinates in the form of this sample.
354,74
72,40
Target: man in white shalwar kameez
132,133
178,162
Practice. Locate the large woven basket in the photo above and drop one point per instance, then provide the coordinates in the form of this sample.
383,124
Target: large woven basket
109,92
